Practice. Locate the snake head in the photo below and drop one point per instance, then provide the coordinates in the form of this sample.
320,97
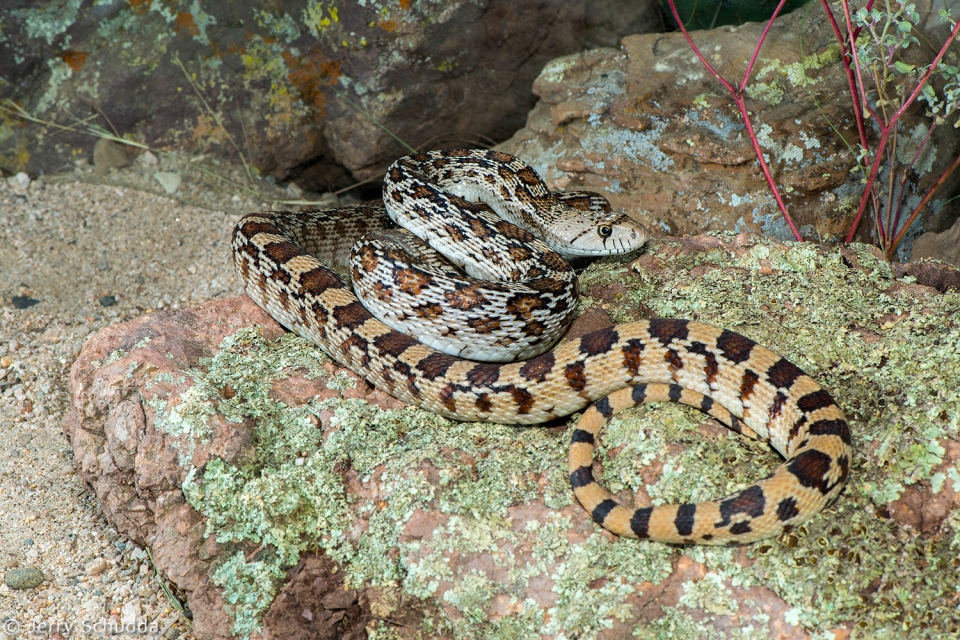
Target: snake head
583,235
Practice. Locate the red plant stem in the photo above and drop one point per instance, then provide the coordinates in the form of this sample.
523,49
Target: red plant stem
886,127
868,189
903,180
906,225
884,131
696,51
884,231
856,65
851,81
737,95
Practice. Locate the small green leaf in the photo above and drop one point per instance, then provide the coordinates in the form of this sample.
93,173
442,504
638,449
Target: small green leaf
903,67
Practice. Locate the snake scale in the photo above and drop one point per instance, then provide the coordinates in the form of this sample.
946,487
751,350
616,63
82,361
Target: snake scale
282,257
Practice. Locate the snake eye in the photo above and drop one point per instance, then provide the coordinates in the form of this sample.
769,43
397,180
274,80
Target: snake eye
604,230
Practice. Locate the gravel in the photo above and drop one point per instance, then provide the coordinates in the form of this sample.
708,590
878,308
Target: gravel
76,256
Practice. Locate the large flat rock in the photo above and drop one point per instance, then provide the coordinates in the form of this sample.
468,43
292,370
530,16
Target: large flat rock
286,498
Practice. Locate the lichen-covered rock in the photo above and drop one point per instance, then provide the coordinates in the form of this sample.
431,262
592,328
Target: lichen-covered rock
308,90
651,128
287,498
24,578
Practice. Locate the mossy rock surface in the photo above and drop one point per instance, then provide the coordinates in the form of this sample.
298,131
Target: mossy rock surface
445,529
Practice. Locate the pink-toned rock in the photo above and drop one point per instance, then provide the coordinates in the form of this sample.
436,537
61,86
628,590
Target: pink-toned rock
405,517
123,387
924,509
135,467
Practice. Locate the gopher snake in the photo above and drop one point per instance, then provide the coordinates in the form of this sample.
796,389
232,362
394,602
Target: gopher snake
746,386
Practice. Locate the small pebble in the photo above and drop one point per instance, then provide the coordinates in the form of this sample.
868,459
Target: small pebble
108,154
108,301
130,613
169,180
24,578
97,567
21,180
294,191
23,302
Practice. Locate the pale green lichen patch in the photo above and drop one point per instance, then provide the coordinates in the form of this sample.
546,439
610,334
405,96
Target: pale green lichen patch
907,151
48,20
709,594
704,469
772,92
891,362
673,624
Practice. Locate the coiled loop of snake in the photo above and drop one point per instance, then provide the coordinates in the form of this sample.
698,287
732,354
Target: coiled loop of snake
478,270
748,387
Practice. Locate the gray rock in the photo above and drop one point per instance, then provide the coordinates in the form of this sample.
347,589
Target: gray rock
303,92
24,578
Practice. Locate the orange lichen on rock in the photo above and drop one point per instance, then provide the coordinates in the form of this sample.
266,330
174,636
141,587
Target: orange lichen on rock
310,74
140,7
186,24
75,59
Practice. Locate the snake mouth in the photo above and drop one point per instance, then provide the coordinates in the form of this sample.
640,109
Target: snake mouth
621,242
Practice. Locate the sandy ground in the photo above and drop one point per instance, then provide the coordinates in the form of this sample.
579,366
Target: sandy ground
90,255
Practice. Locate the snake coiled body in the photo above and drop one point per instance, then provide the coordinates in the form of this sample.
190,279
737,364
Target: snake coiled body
278,256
